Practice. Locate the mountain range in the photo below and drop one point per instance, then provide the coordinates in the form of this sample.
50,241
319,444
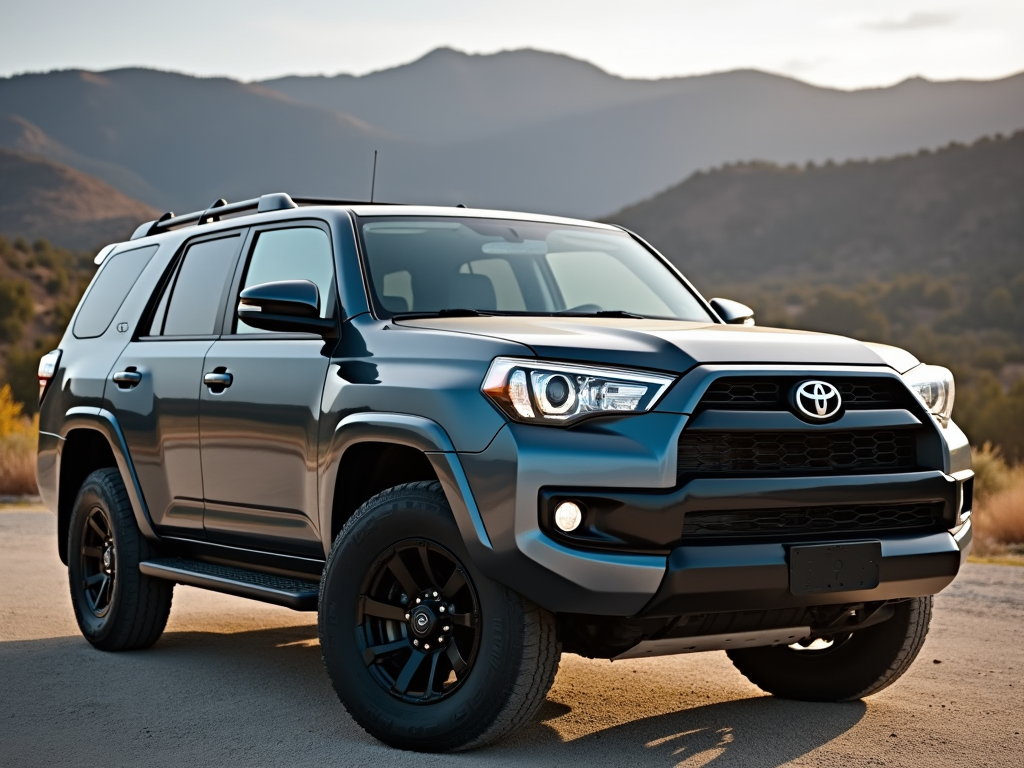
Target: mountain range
954,212
43,199
520,129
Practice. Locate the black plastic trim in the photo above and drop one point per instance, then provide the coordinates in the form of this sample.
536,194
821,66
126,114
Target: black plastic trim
651,522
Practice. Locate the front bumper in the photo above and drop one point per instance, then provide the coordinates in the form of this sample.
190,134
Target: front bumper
709,579
632,579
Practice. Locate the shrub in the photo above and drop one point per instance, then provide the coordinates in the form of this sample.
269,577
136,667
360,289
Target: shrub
18,441
998,514
15,308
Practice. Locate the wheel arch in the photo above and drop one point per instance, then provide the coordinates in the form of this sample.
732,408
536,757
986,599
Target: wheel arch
360,462
91,439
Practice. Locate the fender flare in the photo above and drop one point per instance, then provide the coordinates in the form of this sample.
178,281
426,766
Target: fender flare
104,422
415,432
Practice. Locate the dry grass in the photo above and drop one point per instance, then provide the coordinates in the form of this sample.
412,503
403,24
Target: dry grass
18,441
998,515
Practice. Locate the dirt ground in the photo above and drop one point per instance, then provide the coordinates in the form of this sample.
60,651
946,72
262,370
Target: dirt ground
234,682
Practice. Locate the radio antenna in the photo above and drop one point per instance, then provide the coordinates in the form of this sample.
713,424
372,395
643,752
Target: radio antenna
373,179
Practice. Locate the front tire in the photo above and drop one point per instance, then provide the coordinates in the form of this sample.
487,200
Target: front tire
116,606
849,667
424,651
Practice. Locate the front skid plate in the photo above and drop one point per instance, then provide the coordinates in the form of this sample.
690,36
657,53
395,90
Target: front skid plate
724,642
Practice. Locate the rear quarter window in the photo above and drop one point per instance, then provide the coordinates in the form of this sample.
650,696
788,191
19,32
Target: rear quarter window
108,292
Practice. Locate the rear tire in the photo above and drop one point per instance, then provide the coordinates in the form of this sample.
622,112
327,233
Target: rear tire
117,607
854,666
443,684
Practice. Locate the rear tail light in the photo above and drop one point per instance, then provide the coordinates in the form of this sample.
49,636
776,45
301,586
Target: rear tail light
47,370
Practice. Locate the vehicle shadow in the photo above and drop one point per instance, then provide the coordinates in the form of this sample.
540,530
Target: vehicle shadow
262,698
761,731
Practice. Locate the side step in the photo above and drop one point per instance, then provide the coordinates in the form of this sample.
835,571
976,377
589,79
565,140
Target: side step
292,593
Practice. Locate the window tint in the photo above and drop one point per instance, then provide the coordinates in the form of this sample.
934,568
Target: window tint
508,296
198,287
427,264
302,253
594,277
115,280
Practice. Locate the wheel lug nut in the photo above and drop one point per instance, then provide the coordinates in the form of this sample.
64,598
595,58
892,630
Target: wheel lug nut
445,628
415,642
435,594
418,600
407,616
440,639
441,609
426,647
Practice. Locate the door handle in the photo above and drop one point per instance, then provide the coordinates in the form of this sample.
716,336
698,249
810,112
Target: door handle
127,379
217,380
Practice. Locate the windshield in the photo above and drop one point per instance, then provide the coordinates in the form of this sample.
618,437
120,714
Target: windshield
421,264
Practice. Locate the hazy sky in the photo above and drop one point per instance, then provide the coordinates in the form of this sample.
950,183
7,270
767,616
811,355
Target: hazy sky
841,43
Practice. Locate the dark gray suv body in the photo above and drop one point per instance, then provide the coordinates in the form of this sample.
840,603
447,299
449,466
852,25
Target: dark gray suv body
532,425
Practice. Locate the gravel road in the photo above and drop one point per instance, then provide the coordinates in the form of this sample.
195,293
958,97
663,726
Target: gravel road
234,682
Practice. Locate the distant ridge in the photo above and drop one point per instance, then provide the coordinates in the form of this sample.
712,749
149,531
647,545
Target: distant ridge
523,129
955,211
43,199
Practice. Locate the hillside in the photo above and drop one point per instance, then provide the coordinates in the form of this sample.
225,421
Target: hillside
923,251
949,212
521,129
43,199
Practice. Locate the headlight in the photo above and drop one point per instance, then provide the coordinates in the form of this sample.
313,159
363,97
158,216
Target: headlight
934,387
560,394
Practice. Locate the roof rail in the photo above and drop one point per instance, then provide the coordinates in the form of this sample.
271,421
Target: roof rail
335,201
277,201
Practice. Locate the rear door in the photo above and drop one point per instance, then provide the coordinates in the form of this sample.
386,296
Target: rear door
156,382
259,431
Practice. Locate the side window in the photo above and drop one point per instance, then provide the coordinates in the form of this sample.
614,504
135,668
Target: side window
196,289
115,280
301,253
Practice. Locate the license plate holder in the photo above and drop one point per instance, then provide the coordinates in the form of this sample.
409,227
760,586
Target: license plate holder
839,567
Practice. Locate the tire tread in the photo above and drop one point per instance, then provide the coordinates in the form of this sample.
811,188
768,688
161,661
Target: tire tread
539,649
144,603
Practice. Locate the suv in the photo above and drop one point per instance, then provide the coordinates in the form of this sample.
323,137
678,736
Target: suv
474,440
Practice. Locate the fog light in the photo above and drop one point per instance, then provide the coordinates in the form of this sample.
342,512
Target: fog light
568,516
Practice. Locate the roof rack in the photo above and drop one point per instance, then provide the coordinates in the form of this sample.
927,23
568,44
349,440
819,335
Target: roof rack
277,201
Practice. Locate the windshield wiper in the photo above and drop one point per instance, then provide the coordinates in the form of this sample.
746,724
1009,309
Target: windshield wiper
451,312
602,313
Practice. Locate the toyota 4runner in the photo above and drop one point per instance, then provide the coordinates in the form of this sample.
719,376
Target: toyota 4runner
474,440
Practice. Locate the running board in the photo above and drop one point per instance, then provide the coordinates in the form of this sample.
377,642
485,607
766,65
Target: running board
296,594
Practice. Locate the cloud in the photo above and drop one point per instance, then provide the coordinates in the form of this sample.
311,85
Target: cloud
915,21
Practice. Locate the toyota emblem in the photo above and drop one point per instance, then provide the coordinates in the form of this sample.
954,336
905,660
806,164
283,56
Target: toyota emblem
817,400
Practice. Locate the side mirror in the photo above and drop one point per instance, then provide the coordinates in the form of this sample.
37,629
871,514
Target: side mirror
286,305
733,312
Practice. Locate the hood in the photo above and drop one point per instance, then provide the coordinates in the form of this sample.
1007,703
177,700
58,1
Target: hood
667,345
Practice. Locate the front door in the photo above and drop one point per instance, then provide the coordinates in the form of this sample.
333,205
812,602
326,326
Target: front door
259,414
156,383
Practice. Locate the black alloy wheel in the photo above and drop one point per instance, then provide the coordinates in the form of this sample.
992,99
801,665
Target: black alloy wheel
425,651
98,562
419,619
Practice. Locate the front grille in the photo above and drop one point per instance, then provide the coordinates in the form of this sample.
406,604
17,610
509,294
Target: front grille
887,450
772,393
861,518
